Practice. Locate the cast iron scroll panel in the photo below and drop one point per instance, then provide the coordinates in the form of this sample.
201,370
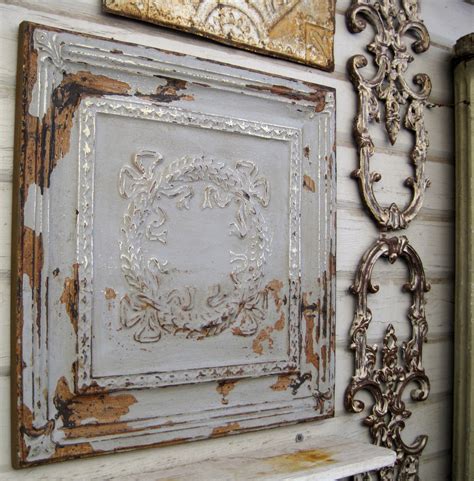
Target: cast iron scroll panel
388,373
137,171
387,96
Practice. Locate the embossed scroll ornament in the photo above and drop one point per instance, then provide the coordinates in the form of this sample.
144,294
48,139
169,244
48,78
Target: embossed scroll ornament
298,30
148,308
387,374
388,95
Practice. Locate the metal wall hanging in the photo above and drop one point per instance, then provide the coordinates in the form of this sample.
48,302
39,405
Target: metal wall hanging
387,96
387,373
298,30
174,251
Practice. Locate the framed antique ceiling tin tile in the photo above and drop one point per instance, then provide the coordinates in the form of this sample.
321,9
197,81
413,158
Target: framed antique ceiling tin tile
298,30
174,248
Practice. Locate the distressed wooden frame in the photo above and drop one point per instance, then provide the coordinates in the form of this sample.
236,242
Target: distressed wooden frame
298,30
60,410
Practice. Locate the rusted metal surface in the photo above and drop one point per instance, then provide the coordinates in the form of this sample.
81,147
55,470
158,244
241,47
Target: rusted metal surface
387,373
388,96
298,30
165,236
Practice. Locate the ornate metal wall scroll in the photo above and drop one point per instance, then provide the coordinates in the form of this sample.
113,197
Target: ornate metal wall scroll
151,250
387,373
298,30
388,94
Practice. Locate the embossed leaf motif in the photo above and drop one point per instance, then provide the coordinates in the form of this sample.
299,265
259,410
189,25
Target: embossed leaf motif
150,309
400,103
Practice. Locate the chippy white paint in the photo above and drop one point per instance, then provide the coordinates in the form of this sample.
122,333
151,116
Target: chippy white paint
263,158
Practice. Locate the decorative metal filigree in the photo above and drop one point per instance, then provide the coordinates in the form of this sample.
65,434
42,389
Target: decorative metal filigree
401,366
392,20
149,306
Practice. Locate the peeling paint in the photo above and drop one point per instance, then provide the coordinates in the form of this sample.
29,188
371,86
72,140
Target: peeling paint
317,98
72,450
332,265
228,428
280,323
33,435
32,261
103,408
107,429
324,358
224,388
262,337
282,383
274,287
52,132
32,266
309,311
169,92
96,430
70,296
299,381
66,99
109,293
309,183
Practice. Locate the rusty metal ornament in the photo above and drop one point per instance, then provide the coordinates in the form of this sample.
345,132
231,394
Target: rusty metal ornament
388,94
401,365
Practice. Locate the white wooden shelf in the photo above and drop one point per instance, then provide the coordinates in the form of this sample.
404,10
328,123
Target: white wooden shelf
324,459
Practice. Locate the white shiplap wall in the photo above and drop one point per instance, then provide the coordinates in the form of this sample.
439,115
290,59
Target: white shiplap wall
431,233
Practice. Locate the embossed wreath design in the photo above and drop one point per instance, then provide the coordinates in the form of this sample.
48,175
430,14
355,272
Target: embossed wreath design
152,310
